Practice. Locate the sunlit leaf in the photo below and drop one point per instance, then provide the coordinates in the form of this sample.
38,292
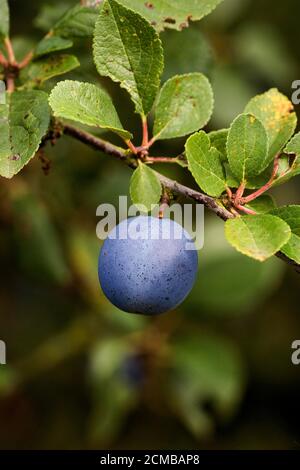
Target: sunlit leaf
88,104
276,112
257,236
145,188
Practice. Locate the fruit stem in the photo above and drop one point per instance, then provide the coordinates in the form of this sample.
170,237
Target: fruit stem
239,193
131,147
151,142
145,132
164,204
245,210
10,51
160,160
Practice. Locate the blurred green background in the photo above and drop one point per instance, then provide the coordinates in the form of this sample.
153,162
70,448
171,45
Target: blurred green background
216,373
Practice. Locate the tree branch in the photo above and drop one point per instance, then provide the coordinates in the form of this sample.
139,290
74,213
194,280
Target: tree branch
201,198
95,142
209,202
121,154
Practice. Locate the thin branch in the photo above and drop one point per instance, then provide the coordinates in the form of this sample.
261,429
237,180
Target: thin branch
209,202
10,51
26,61
266,187
121,154
245,210
161,160
164,203
145,133
10,83
95,142
240,192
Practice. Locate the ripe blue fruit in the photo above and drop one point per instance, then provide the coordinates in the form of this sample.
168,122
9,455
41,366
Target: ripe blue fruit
145,266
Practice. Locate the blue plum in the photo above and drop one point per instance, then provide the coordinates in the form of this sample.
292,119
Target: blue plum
145,266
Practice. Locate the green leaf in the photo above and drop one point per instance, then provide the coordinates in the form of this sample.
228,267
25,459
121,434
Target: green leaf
205,164
205,369
128,50
173,14
275,111
51,44
293,147
294,171
44,69
145,188
77,22
88,104
257,236
218,139
252,183
247,147
184,105
262,205
231,180
291,215
4,19
24,120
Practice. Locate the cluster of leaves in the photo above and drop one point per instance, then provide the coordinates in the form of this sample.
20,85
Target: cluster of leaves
257,153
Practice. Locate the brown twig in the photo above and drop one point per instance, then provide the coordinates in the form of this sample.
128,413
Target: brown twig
11,66
145,133
209,202
26,61
95,142
164,203
161,160
289,261
121,154
239,194
10,51
10,84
